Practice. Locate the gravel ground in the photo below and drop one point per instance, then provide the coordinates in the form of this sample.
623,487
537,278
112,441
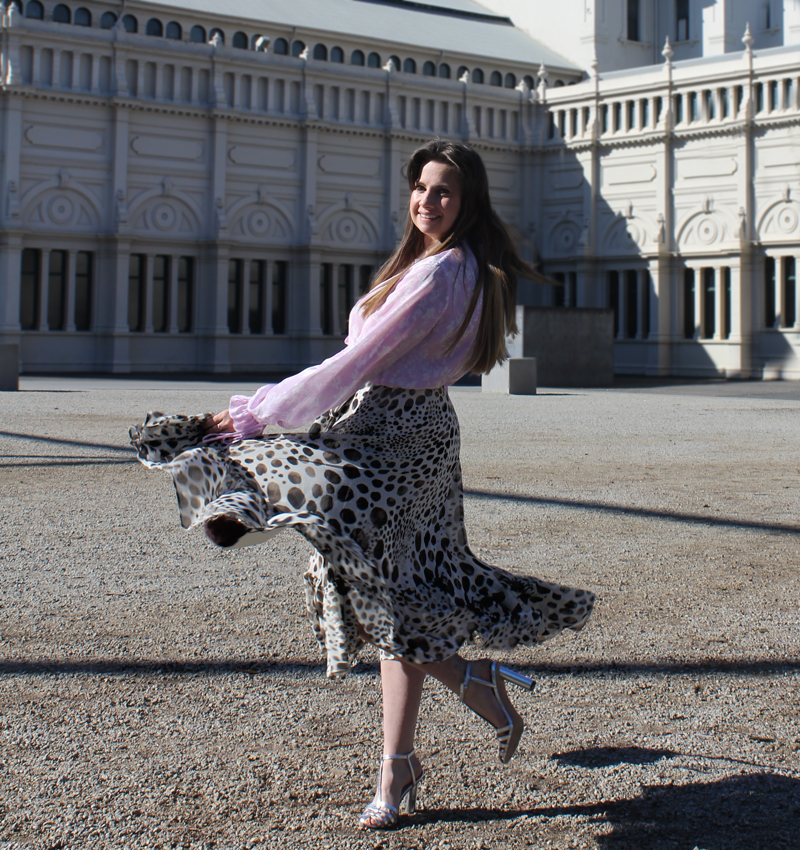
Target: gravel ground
158,692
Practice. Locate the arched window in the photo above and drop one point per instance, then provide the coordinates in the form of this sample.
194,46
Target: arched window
174,31
444,71
216,32
130,23
17,3
529,81
374,60
254,41
240,41
82,18
397,63
429,69
297,47
321,52
35,10
154,27
558,83
62,14
357,57
409,66
281,47
197,34
477,76
496,79
510,81
337,54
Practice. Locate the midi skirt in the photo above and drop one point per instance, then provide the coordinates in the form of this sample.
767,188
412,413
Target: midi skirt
375,487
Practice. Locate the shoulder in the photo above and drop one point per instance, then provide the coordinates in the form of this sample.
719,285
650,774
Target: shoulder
451,261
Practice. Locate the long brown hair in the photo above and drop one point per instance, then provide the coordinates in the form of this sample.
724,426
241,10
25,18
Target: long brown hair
478,227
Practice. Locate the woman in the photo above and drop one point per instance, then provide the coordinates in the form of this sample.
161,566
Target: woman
375,484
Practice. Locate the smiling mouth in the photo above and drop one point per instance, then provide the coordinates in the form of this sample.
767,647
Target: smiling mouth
428,217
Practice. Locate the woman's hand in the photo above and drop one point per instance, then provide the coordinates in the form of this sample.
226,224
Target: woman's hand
220,423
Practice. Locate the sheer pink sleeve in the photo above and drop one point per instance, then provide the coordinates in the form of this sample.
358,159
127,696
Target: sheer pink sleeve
409,316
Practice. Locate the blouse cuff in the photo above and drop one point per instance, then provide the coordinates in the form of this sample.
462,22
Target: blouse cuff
247,426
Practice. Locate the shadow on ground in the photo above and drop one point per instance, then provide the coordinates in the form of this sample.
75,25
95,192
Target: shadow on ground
759,811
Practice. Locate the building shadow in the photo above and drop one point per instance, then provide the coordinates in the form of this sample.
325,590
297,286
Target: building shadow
610,756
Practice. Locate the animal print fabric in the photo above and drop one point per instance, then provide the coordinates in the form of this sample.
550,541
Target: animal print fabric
375,486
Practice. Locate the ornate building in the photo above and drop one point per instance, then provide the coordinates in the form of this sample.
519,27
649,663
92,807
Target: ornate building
208,187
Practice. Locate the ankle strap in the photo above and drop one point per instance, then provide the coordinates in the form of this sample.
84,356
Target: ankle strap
399,756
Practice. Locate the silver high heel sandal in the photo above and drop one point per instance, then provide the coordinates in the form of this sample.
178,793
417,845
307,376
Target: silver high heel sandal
382,815
508,735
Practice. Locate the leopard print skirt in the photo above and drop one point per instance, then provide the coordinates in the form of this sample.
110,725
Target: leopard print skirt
375,486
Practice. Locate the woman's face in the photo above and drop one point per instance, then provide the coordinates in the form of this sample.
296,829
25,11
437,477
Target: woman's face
435,201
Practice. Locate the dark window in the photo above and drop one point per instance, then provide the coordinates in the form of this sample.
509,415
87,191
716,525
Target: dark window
604,118
337,54
647,286
477,76
510,81
83,290
235,283
770,300
631,303
197,34
409,66
216,32
297,47
645,112
529,81
107,20
678,108
633,20
136,292
789,306
617,117
82,18
496,79
255,319
357,57
160,293
130,24
56,290
429,69
364,279
35,10
739,98
693,109
724,103
154,27
758,90
395,60
344,300
281,47
559,292
444,71
279,280
62,14
185,293
321,52
682,15
709,304
174,31
326,298
240,41
631,104
373,60
613,299
30,284
688,304
725,330
659,106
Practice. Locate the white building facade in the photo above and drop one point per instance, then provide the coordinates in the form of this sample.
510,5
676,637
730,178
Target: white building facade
208,187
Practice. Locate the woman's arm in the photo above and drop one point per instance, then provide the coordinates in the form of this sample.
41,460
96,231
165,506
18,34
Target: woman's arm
409,315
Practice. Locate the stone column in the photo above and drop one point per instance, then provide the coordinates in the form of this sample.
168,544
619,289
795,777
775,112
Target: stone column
148,293
622,304
244,307
718,301
69,319
699,310
269,271
335,270
45,290
174,264
641,283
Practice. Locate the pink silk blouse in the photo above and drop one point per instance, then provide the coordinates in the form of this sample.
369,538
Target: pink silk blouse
402,344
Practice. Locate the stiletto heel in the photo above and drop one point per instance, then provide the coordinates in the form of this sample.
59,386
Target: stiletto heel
508,736
382,815
516,678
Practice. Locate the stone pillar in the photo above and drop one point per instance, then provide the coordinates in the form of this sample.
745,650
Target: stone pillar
269,271
174,264
10,273
641,283
69,319
148,293
622,302
45,290
718,301
244,306
335,271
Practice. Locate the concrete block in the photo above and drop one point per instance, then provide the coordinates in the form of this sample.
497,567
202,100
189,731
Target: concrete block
9,367
517,376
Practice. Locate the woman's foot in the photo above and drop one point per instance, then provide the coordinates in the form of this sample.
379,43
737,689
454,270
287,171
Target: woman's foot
398,777
484,692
